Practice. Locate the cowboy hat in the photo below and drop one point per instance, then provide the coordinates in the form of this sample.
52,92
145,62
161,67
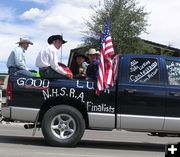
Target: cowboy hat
55,37
24,40
97,53
91,51
80,55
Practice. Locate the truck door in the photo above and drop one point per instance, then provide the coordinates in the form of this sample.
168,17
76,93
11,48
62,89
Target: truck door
141,94
172,117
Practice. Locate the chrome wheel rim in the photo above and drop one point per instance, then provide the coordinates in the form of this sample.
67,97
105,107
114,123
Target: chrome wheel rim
63,126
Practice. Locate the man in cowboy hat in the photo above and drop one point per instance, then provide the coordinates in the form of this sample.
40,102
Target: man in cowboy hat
47,59
16,61
92,68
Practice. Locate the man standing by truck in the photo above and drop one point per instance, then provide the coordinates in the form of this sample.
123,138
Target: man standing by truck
47,59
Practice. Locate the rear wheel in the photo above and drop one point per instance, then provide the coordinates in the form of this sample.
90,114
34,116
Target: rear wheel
63,126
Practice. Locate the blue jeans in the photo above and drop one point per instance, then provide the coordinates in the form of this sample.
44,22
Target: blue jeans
12,71
50,73
25,73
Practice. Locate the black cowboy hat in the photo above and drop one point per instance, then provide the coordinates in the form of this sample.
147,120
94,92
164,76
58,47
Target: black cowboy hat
55,37
80,55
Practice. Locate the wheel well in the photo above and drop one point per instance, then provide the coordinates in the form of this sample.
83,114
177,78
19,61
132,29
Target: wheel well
65,101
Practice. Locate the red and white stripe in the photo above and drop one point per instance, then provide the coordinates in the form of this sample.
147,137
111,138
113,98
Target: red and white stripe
109,50
106,72
105,77
100,79
115,67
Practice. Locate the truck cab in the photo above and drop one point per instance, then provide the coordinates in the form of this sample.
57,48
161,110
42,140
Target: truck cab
148,93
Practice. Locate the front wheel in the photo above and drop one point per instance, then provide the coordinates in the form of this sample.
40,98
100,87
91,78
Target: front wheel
63,126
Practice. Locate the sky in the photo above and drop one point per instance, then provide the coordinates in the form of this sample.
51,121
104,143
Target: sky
38,19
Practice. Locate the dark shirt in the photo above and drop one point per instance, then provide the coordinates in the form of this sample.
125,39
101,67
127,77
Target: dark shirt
92,69
76,69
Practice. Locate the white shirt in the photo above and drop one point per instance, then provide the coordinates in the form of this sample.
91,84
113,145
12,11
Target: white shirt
48,57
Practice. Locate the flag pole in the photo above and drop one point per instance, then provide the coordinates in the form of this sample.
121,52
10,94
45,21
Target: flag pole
61,50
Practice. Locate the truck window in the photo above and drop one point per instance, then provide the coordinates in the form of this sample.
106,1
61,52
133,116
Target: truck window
173,72
144,70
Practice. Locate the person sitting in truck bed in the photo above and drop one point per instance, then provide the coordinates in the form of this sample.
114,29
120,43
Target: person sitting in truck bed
47,59
16,61
92,68
79,67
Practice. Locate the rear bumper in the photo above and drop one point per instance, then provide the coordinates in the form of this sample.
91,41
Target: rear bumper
20,113
5,111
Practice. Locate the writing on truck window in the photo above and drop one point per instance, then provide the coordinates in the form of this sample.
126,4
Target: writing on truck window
173,71
144,70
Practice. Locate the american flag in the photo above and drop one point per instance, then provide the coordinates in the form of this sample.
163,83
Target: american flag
105,76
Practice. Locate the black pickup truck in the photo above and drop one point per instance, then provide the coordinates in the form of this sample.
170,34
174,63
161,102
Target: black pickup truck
145,97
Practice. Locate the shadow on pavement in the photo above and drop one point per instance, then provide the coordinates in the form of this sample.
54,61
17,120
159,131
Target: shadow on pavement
122,145
39,141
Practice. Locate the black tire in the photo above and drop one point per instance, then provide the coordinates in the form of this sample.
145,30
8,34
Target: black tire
63,126
1,117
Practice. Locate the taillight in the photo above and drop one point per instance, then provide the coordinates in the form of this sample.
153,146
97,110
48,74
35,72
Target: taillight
9,91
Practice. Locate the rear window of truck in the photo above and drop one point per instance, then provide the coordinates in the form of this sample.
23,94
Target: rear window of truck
173,72
144,70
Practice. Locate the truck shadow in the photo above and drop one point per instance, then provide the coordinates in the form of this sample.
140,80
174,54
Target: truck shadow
39,141
122,145
36,141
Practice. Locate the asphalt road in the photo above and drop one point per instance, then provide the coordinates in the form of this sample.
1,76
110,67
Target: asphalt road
15,141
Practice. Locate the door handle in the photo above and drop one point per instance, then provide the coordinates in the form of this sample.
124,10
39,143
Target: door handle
130,91
174,93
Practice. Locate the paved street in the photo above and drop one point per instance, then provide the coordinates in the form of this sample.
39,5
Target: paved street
15,141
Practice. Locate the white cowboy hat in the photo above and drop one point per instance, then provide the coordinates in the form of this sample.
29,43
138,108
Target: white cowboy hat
97,53
91,51
24,40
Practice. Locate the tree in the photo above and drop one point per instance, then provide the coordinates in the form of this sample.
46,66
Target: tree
128,21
